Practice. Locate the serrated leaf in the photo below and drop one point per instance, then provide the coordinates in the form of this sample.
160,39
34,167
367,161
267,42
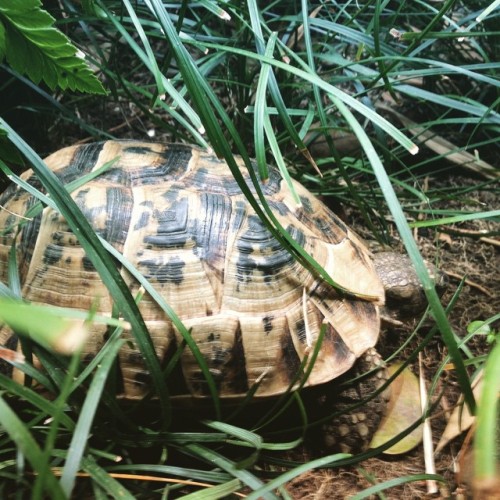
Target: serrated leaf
403,410
34,47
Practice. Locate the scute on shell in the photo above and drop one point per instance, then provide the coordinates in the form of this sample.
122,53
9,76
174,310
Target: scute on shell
177,214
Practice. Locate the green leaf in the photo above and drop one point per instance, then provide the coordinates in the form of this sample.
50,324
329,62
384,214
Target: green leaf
34,47
49,328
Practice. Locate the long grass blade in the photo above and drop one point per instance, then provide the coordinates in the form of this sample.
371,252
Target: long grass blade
86,417
24,440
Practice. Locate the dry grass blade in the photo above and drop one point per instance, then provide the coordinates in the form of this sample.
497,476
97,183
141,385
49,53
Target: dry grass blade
445,148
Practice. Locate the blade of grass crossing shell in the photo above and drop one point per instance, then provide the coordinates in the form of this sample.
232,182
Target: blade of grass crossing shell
301,376
102,261
412,249
199,94
86,417
25,442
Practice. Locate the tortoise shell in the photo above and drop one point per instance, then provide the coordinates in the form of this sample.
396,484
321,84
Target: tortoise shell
177,214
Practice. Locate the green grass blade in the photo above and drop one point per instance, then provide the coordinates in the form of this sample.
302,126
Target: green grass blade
244,476
86,417
111,486
48,407
215,492
28,446
382,487
486,453
282,479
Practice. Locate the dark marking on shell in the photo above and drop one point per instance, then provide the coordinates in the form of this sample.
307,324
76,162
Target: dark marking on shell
137,150
212,336
135,358
87,264
52,255
269,258
172,229
174,165
57,236
279,207
143,221
168,272
200,176
239,213
306,204
119,205
11,343
211,230
272,185
268,324
84,160
300,328
176,380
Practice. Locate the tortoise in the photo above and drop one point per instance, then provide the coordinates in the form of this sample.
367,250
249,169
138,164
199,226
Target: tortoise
177,214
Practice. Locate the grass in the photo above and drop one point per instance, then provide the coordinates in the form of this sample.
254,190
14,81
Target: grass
269,83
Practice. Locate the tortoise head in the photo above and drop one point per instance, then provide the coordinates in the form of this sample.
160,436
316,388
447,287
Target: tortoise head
404,294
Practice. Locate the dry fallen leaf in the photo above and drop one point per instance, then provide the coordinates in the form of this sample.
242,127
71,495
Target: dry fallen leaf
403,410
460,419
